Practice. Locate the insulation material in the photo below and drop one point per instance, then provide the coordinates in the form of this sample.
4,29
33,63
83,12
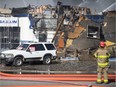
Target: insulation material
5,11
69,42
109,30
109,43
76,33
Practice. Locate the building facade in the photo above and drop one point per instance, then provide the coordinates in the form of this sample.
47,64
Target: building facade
15,30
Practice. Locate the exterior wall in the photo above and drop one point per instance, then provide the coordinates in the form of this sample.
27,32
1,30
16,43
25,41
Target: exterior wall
26,34
15,29
50,35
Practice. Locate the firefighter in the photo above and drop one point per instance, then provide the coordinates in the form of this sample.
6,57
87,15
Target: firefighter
102,55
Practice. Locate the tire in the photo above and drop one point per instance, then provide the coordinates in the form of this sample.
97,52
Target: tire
47,60
18,61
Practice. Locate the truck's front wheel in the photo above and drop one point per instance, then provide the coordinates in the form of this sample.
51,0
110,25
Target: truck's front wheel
18,61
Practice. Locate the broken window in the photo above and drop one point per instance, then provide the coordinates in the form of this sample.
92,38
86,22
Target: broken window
93,32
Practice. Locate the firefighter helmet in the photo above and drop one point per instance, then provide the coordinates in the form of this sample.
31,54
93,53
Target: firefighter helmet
102,44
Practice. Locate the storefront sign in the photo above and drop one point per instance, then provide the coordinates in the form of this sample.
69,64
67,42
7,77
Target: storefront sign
8,21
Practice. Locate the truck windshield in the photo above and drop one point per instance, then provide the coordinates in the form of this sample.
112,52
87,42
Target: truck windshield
22,47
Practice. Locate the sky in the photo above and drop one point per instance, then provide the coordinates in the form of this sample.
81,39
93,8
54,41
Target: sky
97,5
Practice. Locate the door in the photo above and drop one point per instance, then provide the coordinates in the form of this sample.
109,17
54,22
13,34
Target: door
35,51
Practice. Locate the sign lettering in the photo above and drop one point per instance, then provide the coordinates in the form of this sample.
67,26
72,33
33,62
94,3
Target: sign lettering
8,22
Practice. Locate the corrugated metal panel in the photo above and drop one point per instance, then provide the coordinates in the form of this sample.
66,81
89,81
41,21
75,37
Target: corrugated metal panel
110,29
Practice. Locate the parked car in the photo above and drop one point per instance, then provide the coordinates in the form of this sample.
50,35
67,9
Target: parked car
41,51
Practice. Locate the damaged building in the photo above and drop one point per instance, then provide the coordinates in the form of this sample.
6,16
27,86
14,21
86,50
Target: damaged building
84,31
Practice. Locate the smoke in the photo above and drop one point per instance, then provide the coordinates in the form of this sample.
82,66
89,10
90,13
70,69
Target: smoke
99,5
24,3
96,5
69,2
